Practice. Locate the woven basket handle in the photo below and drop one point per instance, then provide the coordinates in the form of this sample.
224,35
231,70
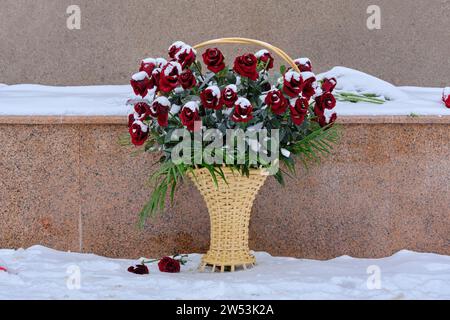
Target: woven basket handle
263,44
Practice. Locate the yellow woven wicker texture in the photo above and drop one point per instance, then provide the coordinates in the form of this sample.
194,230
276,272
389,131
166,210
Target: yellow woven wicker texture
229,207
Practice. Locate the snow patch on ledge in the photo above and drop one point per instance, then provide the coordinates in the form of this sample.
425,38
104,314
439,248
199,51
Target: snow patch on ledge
42,273
38,100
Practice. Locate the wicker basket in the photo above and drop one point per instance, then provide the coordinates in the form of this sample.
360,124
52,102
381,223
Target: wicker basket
229,207
230,204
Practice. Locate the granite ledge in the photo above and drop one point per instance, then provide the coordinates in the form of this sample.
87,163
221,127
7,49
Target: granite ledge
122,120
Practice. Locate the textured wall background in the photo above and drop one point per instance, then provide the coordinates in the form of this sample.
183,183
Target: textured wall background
412,47
71,187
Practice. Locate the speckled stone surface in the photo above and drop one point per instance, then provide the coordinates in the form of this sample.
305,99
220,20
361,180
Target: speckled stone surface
69,185
411,48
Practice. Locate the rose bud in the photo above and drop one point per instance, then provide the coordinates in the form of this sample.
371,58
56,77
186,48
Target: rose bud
185,55
168,79
326,101
304,64
245,65
214,60
323,120
160,110
276,102
187,79
446,97
156,76
189,115
309,79
141,83
328,85
242,110
265,57
168,264
139,269
299,111
174,48
148,65
292,83
131,118
138,133
229,95
210,98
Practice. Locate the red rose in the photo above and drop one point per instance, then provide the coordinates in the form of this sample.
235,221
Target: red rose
323,120
141,83
189,115
168,78
245,65
293,83
3,269
213,59
168,264
266,58
148,65
328,85
187,79
156,76
142,109
304,64
229,95
242,110
210,98
138,133
160,110
299,111
131,119
139,269
325,101
446,97
185,56
308,84
276,101
174,48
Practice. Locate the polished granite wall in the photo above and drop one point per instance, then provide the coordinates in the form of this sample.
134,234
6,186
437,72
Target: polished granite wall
411,48
67,184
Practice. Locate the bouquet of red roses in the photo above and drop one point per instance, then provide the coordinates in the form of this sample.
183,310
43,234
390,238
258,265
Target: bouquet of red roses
242,94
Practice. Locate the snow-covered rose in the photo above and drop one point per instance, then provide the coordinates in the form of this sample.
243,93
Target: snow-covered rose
187,79
214,60
210,98
160,110
299,111
304,64
276,101
142,110
242,111
141,83
185,55
328,85
174,48
138,132
245,65
189,115
446,97
229,95
170,265
292,83
148,65
168,78
266,58
308,89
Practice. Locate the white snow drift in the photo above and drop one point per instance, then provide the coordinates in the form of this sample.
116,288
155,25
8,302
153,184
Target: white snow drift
26,99
42,273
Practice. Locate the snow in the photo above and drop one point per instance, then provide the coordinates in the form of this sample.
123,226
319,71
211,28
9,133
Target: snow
162,101
261,53
139,76
43,273
215,91
29,99
292,74
192,105
243,103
